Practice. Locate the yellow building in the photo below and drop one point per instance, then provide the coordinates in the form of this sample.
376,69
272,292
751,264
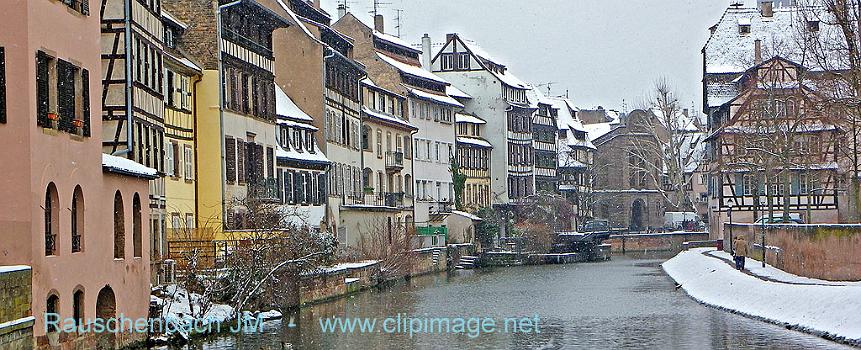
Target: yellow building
180,77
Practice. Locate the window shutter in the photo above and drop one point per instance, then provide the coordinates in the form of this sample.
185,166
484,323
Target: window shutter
230,159
42,90
260,162
270,157
168,164
240,161
2,85
85,97
189,162
176,158
85,7
66,94
796,185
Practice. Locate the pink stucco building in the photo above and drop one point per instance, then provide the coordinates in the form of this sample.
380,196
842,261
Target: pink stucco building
72,213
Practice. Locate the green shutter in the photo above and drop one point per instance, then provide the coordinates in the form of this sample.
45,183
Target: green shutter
796,185
739,184
85,98
42,90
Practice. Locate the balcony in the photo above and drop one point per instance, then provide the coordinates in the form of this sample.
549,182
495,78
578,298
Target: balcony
264,188
441,208
394,161
390,200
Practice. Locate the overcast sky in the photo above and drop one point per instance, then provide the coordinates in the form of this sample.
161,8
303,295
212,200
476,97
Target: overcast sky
600,51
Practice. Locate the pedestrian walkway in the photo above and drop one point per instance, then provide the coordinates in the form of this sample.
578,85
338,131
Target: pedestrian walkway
827,309
772,274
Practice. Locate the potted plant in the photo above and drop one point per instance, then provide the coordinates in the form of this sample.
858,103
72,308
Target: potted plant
369,190
78,124
54,118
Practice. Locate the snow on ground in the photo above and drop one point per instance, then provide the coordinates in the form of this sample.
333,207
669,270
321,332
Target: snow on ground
182,309
830,311
773,273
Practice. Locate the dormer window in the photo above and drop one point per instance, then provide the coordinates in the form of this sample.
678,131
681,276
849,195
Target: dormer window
813,26
744,26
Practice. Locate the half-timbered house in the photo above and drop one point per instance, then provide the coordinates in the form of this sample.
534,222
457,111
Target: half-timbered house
501,99
473,159
773,150
395,66
574,160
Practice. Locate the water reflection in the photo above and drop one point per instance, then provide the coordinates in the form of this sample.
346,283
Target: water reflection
623,303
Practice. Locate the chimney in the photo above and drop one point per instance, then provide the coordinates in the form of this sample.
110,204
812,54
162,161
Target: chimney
448,37
767,8
342,11
378,24
757,51
426,52
316,4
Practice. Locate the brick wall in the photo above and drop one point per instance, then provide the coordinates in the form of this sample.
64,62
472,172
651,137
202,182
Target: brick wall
654,242
321,286
829,252
15,294
200,40
426,262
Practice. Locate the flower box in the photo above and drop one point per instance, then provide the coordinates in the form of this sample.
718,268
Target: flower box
78,123
53,116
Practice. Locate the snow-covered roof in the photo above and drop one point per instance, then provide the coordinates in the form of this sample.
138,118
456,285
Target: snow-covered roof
506,77
296,20
467,215
474,141
395,41
598,129
411,69
284,106
452,91
185,62
388,118
127,166
468,118
291,154
370,83
444,99
728,50
293,124
168,16
565,120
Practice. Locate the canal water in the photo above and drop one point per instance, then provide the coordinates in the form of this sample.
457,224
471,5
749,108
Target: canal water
624,303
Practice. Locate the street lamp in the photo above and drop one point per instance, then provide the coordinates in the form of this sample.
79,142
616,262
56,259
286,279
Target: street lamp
731,248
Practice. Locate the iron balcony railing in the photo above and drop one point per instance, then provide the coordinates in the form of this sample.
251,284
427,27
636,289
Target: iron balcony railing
394,161
379,199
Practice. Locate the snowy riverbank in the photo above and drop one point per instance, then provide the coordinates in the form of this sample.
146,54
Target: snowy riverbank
828,309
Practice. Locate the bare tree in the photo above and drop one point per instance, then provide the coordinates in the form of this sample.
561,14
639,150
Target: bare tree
392,246
664,146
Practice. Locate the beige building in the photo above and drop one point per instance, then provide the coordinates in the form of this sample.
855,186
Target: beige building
473,159
77,216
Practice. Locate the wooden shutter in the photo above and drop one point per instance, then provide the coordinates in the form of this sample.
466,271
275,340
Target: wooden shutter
2,85
66,94
85,98
270,157
85,7
42,90
240,162
176,167
260,162
230,158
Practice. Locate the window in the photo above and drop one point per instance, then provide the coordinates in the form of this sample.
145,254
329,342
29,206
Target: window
813,26
52,219
65,104
189,221
119,227
137,234
744,29
169,38
82,6
188,160
2,86
52,306
77,220
78,307
379,143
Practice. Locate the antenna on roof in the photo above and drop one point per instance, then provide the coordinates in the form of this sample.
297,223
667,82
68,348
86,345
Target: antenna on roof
377,6
398,20
548,85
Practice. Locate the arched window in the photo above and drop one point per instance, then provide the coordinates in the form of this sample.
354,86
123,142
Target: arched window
408,185
52,307
119,227
52,219
78,306
137,238
77,220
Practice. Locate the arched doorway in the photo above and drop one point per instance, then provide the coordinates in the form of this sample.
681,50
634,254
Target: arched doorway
637,209
106,304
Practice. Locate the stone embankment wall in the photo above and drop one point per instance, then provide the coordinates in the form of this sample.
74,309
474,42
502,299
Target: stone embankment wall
822,251
669,241
16,320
